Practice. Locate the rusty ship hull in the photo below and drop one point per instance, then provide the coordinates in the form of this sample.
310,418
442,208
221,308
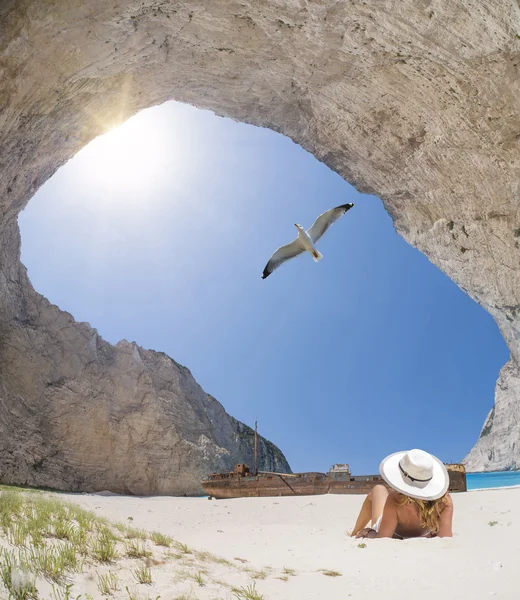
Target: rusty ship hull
247,485
241,483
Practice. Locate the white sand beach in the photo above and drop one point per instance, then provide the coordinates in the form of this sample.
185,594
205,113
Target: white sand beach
284,544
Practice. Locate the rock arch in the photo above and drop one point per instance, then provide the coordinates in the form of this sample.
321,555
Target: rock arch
417,102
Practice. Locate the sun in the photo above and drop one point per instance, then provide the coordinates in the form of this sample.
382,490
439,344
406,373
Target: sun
131,159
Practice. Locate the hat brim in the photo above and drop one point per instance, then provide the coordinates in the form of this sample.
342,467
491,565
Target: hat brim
434,489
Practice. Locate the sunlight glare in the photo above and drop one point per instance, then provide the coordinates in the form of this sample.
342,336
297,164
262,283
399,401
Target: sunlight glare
133,157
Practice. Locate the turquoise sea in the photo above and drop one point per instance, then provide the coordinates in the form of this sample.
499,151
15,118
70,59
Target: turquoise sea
478,481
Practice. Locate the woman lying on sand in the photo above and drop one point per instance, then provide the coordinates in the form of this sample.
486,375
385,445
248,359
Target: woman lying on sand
418,504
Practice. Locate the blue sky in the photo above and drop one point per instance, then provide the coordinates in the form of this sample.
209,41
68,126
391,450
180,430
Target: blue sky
158,233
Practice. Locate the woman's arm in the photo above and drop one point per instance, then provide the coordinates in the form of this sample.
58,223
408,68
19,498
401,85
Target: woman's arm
446,519
389,520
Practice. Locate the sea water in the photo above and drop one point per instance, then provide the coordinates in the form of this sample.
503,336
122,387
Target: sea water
480,481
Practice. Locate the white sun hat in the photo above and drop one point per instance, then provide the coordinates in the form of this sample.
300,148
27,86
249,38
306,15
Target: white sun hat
415,473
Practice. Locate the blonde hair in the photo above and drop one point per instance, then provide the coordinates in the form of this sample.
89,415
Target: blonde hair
429,511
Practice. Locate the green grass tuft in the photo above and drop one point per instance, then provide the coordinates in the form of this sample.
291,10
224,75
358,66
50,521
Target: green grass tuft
59,593
104,546
17,533
132,534
160,539
52,562
136,549
19,582
199,579
64,529
183,548
247,593
108,583
261,574
143,574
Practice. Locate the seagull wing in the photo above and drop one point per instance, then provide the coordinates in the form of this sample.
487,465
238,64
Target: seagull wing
325,220
281,255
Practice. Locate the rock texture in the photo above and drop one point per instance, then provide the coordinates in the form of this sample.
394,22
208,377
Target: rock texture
417,101
498,446
77,413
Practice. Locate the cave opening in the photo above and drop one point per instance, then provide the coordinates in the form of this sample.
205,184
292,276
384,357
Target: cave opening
158,233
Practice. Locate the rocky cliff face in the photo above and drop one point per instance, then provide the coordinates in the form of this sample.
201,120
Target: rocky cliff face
417,102
498,446
77,413
82,414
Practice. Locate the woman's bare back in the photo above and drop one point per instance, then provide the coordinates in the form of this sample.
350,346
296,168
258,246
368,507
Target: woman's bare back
402,518
408,521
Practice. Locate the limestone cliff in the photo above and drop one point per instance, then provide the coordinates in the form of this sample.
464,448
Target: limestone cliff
498,446
85,415
415,101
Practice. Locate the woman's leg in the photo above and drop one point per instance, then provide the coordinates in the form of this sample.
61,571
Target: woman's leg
371,509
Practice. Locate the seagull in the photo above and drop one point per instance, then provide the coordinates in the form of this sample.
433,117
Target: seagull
306,239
